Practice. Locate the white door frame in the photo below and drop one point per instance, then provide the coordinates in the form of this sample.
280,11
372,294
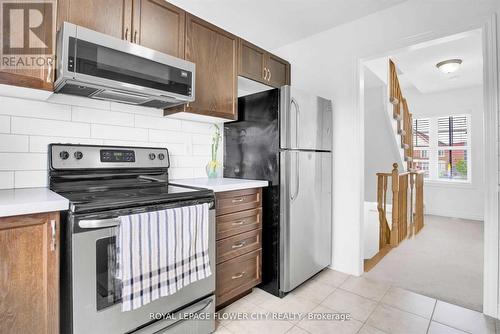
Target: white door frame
491,304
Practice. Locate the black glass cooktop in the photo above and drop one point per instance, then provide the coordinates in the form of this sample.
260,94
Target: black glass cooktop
132,197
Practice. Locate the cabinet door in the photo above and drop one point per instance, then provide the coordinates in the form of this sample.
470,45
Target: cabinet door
278,71
159,26
29,274
41,74
111,17
251,61
213,50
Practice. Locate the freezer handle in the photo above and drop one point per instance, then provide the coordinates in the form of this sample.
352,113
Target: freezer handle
297,116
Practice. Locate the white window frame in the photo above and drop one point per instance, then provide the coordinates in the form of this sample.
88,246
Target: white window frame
434,149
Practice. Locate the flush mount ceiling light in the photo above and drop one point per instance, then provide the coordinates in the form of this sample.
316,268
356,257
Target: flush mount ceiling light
449,66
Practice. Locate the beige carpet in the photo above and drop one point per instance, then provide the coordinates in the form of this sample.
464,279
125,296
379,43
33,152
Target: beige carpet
444,261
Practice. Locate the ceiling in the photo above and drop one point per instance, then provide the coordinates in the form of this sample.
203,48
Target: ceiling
274,23
417,65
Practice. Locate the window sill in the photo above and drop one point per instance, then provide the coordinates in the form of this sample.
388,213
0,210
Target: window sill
449,184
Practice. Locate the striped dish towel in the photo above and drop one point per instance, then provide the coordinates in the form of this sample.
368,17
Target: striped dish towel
160,252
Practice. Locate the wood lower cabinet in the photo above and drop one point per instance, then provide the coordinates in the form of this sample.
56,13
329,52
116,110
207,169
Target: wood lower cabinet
239,243
29,274
259,65
214,51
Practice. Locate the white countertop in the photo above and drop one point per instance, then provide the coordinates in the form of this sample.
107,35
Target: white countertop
221,184
14,202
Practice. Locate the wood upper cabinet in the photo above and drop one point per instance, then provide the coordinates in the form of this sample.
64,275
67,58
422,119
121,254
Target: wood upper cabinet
251,61
111,17
29,274
155,24
37,73
160,26
278,71
214,51
259,65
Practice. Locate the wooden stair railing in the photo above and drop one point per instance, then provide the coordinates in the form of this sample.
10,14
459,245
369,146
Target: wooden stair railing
401,114
407,213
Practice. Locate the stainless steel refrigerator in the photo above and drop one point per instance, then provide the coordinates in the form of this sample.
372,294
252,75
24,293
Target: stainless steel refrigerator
284,136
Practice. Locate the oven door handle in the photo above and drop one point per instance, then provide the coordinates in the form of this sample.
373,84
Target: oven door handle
99,223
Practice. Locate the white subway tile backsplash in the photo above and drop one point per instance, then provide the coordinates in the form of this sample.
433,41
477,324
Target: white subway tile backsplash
164,136
30,178
202,139
6,180
99,116
41,143
27,127
202,149
175,149
119,132
13,143
180,173
36,109
44,127
136,109
23,161
197,127
189,161
127,143
161,123
4,124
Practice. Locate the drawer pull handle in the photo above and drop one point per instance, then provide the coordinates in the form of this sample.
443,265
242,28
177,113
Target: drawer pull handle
238,200
238,245
241,222
239,275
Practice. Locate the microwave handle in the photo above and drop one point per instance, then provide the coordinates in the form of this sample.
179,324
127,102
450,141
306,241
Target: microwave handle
99,223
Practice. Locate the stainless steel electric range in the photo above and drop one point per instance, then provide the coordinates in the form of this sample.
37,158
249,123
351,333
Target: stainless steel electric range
103,183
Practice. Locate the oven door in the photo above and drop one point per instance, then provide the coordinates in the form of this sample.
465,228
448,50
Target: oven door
96,306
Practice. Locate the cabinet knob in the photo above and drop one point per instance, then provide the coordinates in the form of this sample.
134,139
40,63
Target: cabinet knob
135,36
265,73
126,34
269,78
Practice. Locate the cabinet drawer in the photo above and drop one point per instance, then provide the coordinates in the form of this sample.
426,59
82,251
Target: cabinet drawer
238,275
238,200
237,245
238,222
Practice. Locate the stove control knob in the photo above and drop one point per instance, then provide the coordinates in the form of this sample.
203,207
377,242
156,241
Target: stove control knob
64,155
78,155
152,156
161,156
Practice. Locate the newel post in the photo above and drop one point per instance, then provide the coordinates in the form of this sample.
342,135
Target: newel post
395,205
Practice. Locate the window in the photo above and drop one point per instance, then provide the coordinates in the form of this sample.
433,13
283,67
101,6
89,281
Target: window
441,147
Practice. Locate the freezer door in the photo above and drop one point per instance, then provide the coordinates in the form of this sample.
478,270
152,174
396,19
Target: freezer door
305,121
305,215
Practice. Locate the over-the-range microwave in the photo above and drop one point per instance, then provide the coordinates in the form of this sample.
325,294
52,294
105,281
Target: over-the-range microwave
103,67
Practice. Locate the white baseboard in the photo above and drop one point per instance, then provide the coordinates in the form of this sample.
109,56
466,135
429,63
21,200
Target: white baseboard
455,214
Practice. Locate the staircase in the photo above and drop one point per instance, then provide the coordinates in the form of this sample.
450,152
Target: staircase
406,196
402,119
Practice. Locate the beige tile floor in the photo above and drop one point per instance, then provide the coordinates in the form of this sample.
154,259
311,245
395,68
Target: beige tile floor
375,308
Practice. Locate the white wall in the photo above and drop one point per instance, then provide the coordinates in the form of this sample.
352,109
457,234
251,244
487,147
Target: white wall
379,151
327,64
28,126
467,200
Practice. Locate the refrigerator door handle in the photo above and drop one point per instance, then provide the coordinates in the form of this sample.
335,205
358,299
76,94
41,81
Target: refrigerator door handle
297,177
297,116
